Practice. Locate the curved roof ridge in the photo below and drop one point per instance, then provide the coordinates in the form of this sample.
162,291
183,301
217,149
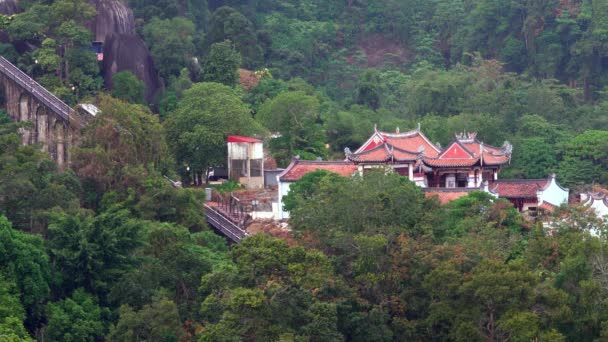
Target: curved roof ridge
400,134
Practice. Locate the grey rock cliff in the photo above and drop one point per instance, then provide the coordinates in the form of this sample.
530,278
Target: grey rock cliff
128,52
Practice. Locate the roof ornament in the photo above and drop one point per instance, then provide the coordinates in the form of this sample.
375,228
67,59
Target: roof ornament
347,151
466,136
421,149
397,129
507,148
438,145
418,129
375,127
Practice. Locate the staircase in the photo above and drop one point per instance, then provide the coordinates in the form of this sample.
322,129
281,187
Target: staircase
225,214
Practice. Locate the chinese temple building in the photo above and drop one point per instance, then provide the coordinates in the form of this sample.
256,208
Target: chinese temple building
465,165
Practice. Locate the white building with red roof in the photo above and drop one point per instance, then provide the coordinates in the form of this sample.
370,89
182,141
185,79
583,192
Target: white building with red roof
246,161
529,195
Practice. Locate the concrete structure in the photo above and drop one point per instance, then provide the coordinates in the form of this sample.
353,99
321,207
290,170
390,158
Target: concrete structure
246,161
53,123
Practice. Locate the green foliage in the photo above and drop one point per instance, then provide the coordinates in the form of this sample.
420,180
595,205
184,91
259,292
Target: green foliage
122,145
24,263
585,159
294,115
93,251
221,64
127,87
78,318
156,321
227,24
306,187
12,313
171,44
276,292
380,197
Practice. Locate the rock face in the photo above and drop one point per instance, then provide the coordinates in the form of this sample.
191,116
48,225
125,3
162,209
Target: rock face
128,52
123,50
112,17
8,7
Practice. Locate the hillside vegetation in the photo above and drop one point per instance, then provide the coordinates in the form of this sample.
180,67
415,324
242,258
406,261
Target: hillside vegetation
109,250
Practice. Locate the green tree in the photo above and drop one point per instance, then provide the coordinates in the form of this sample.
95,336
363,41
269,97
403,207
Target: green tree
228,24
221,64
127,87
24,262
12,313
276,291
121,146
197,129
78,318
93,252
584,159
171,44
158,321
294,115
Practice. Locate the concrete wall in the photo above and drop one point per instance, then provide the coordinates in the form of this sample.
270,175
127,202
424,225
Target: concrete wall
553,193
283,190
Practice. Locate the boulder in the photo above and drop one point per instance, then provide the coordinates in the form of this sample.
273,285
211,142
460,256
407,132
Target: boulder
112,17
8,7
124,51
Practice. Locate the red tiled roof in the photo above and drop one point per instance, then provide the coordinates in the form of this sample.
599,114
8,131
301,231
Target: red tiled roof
464,151
494,160
520,188
379,153
298,168
402,155
451,162
241,139
546,206
412,143
382,153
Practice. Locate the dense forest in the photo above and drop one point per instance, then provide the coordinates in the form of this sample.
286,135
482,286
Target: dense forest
109,250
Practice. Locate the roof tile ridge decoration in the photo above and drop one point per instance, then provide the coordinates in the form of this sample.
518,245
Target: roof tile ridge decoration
410,134
397,135
396,148
520,180
447,149
294,162
355,156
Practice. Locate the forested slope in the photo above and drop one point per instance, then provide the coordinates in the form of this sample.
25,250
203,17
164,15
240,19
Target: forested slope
109,250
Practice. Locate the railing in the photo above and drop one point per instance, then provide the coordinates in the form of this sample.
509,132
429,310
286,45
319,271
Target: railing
218,220
231,205
34,88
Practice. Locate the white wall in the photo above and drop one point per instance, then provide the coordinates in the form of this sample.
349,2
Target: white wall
283,190
553,193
